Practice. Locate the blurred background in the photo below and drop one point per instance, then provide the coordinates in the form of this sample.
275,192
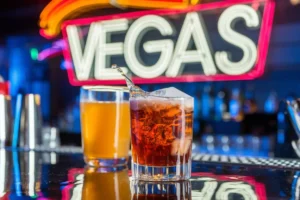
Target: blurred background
230,116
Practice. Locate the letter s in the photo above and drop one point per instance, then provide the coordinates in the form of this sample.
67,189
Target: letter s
225,24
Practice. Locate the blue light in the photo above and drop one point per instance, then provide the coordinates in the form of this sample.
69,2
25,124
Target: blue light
63,65
17,174
219,102
280,137
234,108
280,117
294,185
19,63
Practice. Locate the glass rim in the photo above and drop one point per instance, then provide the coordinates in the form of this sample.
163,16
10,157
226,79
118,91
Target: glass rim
102,88
105,88
171,98
148,94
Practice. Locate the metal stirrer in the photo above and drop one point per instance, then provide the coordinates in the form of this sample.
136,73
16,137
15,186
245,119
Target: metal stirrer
129,82
134,90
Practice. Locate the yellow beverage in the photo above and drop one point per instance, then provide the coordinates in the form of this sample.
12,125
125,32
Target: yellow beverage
110,186
105,129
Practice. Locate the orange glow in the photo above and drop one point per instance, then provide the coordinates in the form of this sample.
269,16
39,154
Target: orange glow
157,3
57,11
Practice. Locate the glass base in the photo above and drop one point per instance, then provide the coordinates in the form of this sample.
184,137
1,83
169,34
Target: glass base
167,173
117,162
105,169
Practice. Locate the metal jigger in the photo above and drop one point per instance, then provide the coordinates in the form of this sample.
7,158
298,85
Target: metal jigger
30,122
5,121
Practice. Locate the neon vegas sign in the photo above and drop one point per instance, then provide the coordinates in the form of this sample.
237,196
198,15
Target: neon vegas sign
174,30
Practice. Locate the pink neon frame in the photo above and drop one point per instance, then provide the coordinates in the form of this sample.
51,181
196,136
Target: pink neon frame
257,71
258,187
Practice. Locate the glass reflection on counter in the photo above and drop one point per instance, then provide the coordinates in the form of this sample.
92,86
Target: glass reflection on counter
13,163
31,164
5,173
296,186
142,190
98,184
105,185
27,174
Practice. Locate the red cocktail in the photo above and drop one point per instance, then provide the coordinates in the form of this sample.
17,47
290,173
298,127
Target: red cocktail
162,132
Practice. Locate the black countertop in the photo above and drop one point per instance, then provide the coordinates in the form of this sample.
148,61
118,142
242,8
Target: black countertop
49,175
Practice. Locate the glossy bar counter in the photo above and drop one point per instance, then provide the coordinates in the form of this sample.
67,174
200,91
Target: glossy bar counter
45,174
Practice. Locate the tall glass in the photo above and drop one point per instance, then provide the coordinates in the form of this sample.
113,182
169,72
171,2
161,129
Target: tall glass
161,132
105,125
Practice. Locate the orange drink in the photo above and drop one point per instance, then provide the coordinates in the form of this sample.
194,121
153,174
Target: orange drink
105,126
105,129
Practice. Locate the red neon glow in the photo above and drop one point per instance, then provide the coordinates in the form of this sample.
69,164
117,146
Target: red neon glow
257,71
43,34
4,88
5,196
